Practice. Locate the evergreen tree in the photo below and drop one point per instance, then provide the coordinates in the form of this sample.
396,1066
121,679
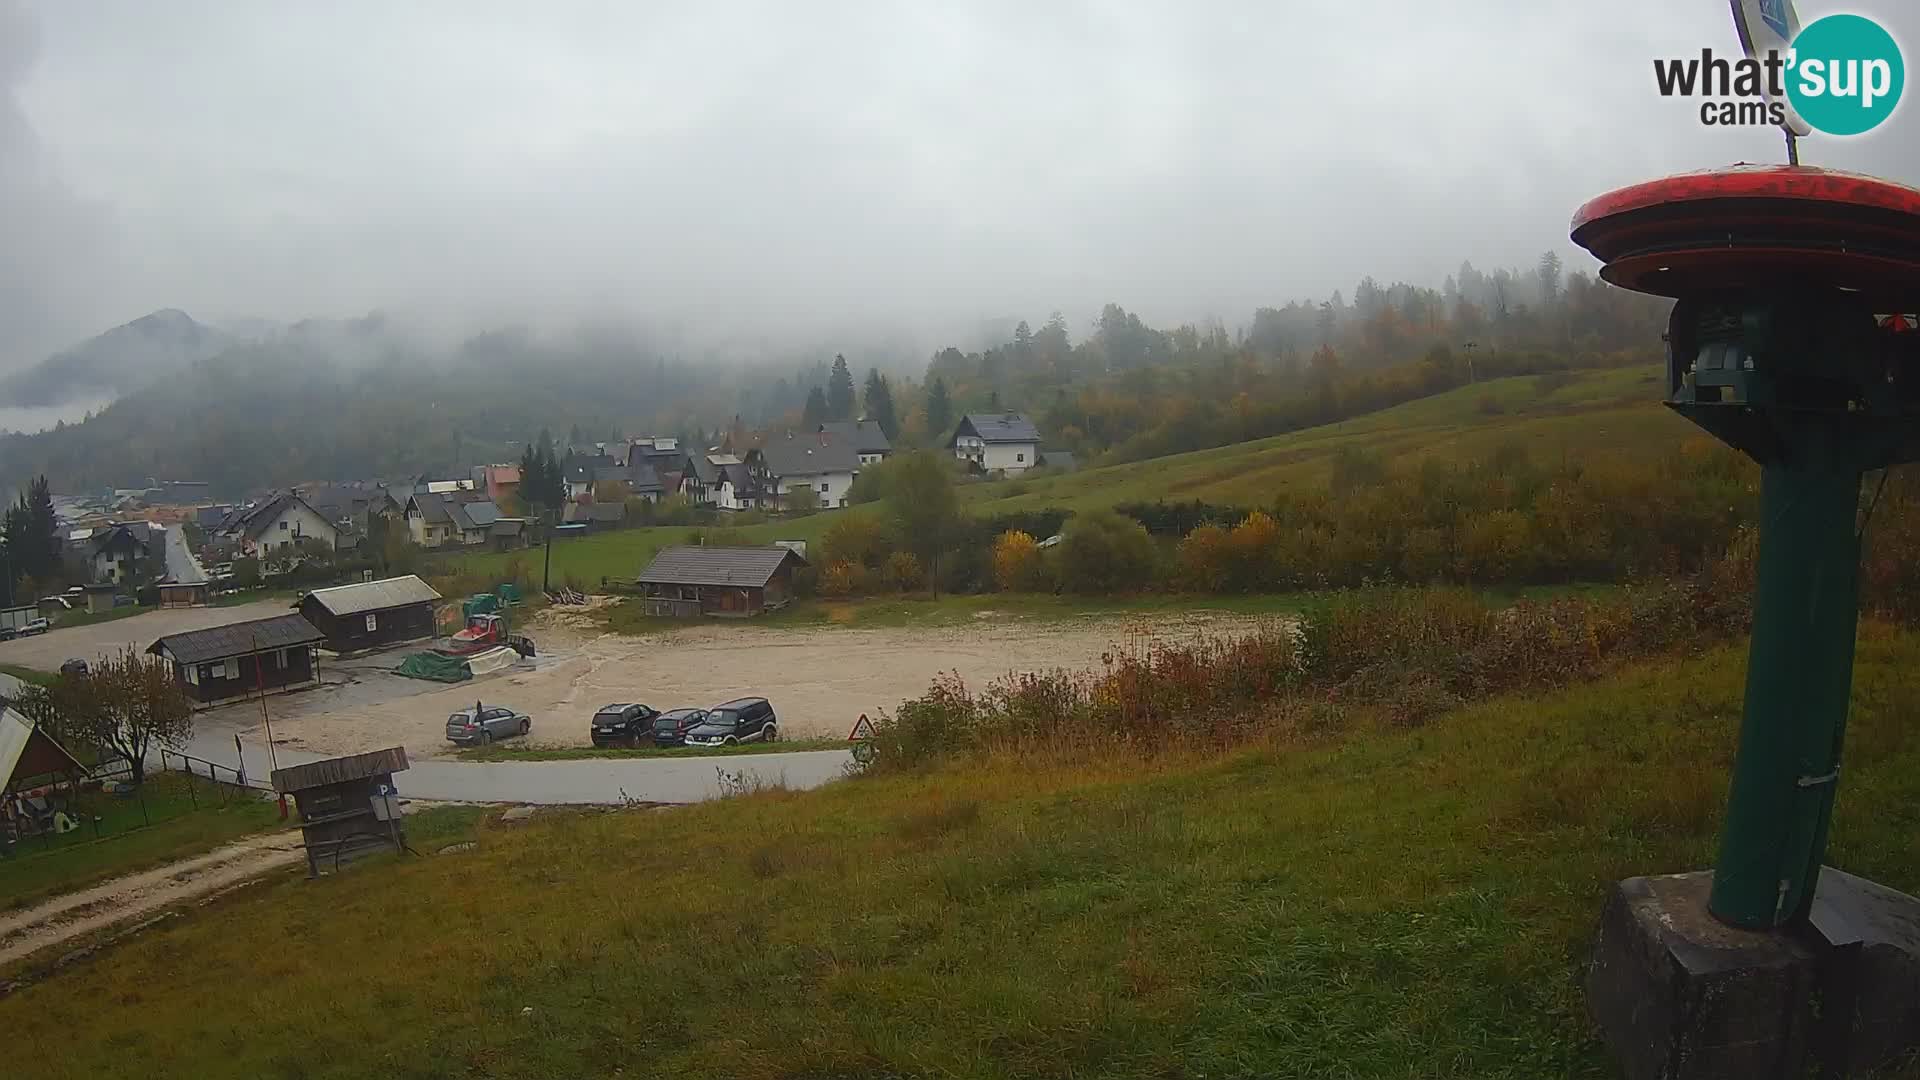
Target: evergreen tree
939,409
880,403
816,412
840,391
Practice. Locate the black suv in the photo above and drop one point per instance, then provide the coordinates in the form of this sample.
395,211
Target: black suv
743,721
622,725
670,728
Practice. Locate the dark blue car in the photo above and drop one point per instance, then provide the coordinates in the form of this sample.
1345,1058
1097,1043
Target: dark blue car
670,728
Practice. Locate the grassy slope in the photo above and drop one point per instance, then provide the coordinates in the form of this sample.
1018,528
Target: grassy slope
1392,903
181,828
1607,410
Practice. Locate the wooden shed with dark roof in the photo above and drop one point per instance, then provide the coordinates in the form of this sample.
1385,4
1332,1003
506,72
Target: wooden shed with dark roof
372,614
724,581
239,660
348,805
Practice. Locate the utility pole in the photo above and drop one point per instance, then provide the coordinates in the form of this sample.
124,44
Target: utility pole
260,686
546,573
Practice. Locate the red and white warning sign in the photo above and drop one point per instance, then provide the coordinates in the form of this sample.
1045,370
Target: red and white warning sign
862,729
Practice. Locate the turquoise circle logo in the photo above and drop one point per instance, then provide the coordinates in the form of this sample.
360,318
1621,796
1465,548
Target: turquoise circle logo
1846,75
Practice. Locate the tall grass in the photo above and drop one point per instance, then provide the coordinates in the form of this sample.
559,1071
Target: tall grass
1409,653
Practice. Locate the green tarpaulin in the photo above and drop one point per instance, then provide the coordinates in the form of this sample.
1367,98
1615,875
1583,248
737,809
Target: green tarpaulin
429,665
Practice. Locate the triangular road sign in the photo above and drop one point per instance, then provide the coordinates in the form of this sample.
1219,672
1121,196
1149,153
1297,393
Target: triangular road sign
862,729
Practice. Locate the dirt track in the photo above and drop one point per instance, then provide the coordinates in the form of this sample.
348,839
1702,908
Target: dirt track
64,918
819,680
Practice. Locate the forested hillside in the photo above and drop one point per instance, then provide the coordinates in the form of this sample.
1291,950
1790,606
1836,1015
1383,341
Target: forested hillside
350,399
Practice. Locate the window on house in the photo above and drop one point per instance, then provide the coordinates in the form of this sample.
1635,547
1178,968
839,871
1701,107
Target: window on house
283,526
373,622
823,489
195,672
231,669
1019,457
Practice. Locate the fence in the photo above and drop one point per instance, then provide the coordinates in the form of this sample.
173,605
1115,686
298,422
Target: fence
108,804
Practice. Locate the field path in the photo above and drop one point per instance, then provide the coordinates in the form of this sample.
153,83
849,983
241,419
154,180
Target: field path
124,899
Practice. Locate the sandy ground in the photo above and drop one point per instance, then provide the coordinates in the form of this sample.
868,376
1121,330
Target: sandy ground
819,680
124,899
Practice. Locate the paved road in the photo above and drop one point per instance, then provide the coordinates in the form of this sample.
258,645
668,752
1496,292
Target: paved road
591,780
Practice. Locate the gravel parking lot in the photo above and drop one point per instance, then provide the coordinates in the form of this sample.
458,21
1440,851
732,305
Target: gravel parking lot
55,647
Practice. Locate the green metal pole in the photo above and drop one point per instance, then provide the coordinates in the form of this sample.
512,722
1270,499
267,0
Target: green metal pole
1799,682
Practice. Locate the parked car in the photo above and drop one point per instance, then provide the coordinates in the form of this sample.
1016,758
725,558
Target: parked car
479,726
743,721
622,725
670,728
8,633
74,667
37,626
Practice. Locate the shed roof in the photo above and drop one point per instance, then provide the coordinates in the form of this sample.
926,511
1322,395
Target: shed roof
717,565
999,427
372,595
238,639
339,770
25,747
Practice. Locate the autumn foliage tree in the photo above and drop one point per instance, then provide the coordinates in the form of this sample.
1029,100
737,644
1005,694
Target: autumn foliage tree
125,704
1017,564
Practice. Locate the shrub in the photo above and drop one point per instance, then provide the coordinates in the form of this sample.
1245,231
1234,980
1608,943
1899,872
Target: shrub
840,579
1102,552
1017,566
856,538
903,572
800,501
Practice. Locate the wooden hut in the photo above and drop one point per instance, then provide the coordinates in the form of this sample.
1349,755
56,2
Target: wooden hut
348,805
372,614
724,581
241,660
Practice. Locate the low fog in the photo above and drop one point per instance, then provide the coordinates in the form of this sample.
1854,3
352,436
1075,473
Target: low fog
750,171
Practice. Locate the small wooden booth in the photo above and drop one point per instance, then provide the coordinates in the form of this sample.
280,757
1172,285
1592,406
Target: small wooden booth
721,581
348,805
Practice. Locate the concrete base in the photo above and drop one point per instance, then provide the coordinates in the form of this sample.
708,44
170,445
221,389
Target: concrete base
1678,995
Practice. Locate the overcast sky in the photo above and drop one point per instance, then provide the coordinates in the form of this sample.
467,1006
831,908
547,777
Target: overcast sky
766,165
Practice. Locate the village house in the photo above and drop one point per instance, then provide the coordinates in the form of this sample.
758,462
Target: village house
865,436
497,482
240,660
278,522
371,614
820,463
996,442
721,481
121,554
664,455
460,519
723,581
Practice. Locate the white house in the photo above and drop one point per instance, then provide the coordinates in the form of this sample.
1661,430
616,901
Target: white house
818,463
435,520
281,521
997,442
719,480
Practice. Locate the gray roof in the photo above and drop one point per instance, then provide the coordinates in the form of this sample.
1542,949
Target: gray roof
999,427
238,639
339,770
465,514
507,527
864,435
808,455
716,565
372,595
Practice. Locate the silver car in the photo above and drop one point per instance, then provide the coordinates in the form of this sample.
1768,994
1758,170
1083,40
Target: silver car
479,726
